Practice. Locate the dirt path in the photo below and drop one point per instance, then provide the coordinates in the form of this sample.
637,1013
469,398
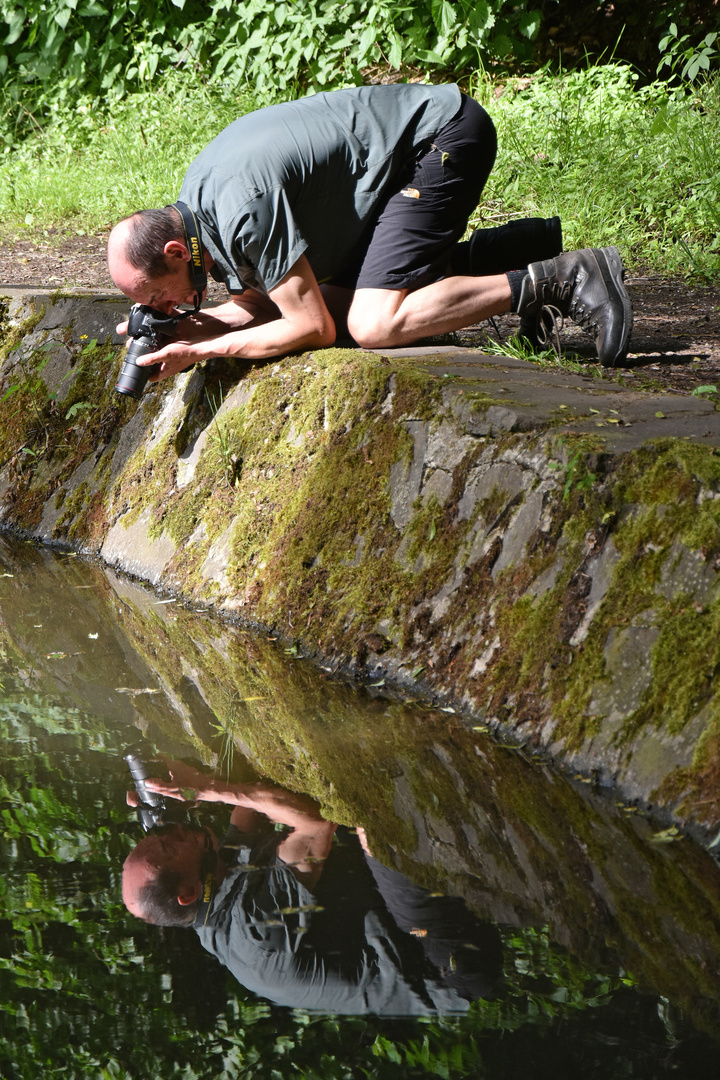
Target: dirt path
675,343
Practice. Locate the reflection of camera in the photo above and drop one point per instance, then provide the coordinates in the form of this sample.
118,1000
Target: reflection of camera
153,810
146,329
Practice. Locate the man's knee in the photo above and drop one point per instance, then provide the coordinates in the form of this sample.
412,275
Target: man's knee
369,337
372,317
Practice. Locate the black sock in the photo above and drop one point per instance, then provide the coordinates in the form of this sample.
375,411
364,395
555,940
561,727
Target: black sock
516,278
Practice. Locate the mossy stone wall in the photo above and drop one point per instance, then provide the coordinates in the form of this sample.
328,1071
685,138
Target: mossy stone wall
406,522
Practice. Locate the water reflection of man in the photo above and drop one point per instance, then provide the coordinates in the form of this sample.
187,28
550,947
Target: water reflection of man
300,916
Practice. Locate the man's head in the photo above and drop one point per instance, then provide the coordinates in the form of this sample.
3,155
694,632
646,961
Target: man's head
163,877
149,260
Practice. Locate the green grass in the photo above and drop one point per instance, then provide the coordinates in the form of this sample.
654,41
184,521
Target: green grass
520,349
621,163
99,161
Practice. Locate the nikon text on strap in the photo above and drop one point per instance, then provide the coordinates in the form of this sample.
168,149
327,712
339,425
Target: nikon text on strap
191,227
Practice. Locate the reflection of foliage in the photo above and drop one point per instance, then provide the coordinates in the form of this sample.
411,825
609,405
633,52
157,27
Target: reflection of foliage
545,983
89,992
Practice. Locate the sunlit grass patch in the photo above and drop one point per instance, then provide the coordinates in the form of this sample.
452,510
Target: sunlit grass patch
99,161
620,163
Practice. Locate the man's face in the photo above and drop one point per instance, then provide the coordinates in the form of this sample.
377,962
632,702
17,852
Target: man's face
171,289
177,849
164,293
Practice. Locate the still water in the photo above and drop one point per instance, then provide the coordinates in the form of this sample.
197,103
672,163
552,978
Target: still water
524,923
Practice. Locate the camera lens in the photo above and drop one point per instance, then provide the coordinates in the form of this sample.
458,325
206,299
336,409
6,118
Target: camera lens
132,378
140,770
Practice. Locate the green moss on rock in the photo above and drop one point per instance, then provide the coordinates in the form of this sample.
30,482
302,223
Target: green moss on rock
277,486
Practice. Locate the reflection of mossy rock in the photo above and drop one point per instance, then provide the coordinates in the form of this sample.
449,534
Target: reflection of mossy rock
530,546
440,799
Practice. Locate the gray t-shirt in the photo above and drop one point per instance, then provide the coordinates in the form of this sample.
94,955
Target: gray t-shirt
278,940
306,176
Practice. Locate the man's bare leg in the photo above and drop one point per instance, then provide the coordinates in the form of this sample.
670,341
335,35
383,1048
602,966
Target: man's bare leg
383,318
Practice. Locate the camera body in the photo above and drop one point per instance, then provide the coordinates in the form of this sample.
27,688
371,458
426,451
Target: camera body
147,330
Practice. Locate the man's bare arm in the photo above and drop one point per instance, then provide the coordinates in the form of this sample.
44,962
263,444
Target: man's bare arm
242,312
295,318
305,848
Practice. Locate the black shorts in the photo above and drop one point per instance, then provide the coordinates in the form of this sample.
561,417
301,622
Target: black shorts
465,950
427,210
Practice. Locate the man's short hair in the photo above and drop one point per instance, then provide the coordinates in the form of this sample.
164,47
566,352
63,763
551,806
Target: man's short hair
158,901
149,232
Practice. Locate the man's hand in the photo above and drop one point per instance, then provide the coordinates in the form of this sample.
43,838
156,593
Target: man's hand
191,342
185,784
208,333
175,357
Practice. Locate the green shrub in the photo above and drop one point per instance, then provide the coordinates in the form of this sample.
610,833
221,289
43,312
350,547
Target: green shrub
59,50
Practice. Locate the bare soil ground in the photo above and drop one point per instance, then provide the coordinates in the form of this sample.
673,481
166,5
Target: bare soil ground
675,343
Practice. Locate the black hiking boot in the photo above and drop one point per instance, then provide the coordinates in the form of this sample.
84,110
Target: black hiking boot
508,247
586,286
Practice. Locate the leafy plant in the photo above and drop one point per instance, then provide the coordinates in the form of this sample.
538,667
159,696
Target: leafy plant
684,59
110,47
577,475
79,406
230,461
30,389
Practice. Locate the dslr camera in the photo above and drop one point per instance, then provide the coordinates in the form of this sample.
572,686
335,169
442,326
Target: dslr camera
154,810
148,331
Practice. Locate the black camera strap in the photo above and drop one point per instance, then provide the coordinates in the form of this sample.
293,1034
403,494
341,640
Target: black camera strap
198,274
208,868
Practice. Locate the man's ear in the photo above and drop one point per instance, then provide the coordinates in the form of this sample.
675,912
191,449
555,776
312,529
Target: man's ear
189,894
175,249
